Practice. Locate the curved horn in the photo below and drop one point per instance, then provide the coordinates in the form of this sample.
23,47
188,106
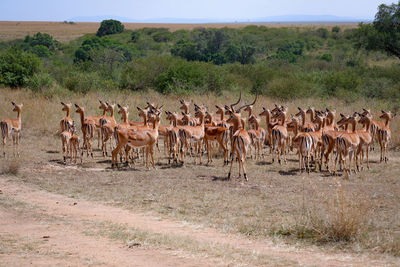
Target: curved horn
240,98
255,99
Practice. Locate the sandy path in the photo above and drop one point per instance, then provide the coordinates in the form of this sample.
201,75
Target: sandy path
62,206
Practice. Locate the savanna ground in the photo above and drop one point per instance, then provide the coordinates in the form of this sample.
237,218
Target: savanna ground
88,214
65,32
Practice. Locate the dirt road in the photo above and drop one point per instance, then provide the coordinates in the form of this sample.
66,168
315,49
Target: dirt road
42,228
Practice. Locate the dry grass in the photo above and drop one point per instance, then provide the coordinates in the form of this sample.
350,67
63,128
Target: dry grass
224,255
274,198
64,32
342,216
10,167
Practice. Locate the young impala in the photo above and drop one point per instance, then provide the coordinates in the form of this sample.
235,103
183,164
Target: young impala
12,127
66,122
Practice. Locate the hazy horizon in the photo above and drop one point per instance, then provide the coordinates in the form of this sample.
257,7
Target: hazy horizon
189,10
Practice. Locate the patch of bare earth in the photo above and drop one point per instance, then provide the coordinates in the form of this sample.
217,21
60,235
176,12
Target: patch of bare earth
65,221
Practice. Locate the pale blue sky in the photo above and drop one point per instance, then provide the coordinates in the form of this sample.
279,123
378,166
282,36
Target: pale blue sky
59,10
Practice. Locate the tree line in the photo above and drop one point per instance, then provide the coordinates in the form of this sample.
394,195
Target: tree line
285,63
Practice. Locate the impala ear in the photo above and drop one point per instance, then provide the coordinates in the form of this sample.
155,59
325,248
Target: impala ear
13,103
76,105
62,103
299,108
383,111
101,102
217,107
341,115
183,114
181,101
118,105
138,108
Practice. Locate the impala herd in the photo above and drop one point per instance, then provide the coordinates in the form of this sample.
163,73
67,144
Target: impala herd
314,140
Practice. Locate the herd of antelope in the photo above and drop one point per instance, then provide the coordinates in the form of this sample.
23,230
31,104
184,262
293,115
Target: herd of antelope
316,140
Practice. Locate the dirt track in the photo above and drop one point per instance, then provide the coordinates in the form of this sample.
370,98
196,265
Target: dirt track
65,220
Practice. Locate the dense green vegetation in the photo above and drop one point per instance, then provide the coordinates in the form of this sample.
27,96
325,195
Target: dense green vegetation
284,63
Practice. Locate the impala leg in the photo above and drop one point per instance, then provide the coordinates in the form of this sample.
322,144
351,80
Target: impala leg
244,169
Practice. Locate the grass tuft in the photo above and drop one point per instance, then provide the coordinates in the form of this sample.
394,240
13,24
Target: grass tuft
10,167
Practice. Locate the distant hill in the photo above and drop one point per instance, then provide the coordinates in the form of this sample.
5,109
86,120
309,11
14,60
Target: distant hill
283,18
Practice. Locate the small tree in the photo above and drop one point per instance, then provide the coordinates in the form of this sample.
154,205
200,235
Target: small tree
384,33
110,26
17,66
336,29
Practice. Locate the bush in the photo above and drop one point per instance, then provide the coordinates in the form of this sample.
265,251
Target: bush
336,29
42,39
322,32
110,27
40,82
341,81
16,67
326,57
189,77
286,88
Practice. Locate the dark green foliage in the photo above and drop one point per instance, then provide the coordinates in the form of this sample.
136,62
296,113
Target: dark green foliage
92,47
110,26
135,36
283,63
40,44
17,66
384,33
186,49
327,57
43,39
336,29
322,32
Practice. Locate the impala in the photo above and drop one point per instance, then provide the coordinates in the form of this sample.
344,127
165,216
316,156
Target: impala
66,122
365,139
306,126
240,139
193,133
374,127
304,143
384,134
257,135
329,141
279,136
347,145
12,127
137,138
70,143
88,127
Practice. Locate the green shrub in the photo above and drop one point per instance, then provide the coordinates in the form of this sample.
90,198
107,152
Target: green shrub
17,66
40,82
42,39
82,82
335,81
322,32
110,26
189,77
326,57
336,29
290,87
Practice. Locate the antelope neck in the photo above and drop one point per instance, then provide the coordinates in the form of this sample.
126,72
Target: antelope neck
312,115
82,115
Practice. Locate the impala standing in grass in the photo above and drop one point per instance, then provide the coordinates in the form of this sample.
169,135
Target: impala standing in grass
12,127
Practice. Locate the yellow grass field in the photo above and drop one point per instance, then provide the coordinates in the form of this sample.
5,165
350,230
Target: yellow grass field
65,32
